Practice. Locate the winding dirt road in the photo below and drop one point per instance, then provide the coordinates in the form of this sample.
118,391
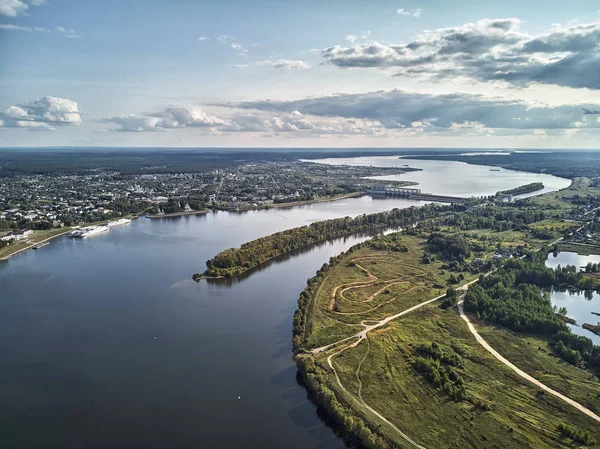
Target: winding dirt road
520,372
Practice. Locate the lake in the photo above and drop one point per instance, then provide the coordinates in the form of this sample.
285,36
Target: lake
79,362
579,305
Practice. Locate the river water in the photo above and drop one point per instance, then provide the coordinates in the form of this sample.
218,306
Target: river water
455,178
79,362
579,305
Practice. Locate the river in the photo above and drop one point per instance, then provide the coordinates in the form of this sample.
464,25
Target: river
455,178
579,304
79,362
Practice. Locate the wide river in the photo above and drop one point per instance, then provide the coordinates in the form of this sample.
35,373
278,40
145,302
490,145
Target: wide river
79,363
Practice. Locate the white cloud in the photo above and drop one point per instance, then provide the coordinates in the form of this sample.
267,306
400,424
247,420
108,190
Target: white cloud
233,44
412,12
286,64
397,109
489,51
351,37
293,123
44,113
61,30
203,38
169,118
13,8
10,27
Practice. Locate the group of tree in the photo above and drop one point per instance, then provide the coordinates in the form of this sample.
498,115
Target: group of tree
234,261
390,242
439,367
449,246
579,436
527,188
497,217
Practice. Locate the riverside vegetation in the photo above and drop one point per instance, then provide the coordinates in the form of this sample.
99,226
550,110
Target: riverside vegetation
527,188
235,261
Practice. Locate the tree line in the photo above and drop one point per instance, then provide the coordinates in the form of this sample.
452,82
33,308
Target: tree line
235,261
527,188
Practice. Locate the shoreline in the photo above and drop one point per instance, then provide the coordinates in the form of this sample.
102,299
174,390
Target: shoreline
64,231
292,204
178,214
32,244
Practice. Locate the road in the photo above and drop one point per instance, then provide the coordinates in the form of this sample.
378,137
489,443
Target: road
520,372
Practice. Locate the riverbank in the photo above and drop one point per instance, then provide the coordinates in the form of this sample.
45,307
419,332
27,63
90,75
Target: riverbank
293,203
38,238
582,249
178,214
43,236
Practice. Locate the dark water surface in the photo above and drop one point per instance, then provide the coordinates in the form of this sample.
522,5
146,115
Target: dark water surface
79,365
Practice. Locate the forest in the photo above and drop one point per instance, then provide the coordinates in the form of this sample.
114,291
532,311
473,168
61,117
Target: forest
235,261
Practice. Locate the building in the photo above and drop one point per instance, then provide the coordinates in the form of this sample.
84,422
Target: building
505,197
17,235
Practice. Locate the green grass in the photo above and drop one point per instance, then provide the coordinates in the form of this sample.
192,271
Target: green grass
415,282
520,416
579,248
536,357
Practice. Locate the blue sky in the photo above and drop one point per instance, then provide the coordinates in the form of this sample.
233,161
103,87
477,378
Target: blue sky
300,74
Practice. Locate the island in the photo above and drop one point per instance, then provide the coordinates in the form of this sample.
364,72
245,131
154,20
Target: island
235,261
522,190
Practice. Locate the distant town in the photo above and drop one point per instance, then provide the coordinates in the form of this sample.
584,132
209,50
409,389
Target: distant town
51,201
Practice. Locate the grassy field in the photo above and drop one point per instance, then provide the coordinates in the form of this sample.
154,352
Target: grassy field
501,410
496,407
535,356
348,295
519,417
556,202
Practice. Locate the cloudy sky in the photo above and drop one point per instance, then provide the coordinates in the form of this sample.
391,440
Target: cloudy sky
346,73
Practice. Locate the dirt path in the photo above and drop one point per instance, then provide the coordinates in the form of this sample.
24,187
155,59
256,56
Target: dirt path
520,372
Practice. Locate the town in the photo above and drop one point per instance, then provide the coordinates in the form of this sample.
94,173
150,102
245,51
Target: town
50,201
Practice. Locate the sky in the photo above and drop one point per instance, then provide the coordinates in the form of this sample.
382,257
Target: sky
334,73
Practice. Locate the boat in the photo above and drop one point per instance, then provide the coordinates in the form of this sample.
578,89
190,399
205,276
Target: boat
120,222
40,245
87,231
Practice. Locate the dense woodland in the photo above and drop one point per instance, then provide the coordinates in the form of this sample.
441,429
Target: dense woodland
498,218
234,261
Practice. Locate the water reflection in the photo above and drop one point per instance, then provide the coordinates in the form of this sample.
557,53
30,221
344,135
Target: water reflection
580,306
356,237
